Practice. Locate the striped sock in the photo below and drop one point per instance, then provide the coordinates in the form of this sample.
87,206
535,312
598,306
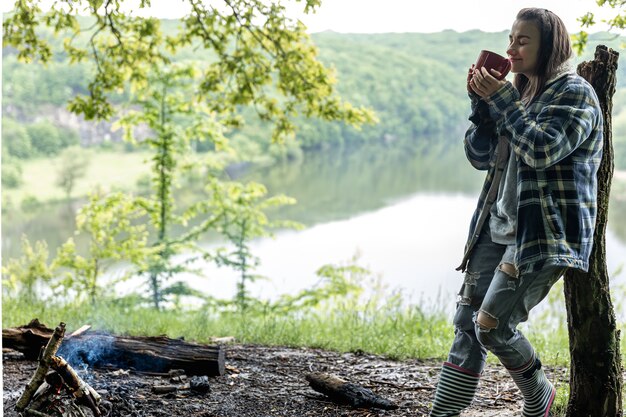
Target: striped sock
455,390
538,392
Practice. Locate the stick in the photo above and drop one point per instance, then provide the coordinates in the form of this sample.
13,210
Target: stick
344,392
44,363
36,413
83,393
79,331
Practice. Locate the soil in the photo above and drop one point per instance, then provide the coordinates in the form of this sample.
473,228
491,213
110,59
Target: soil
266,381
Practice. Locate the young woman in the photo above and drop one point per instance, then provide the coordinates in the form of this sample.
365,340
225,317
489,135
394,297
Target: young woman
540,141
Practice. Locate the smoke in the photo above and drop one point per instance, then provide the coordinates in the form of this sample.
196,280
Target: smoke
94,350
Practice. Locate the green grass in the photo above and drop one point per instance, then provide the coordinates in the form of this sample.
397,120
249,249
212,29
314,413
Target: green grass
407,333
397,333
108,169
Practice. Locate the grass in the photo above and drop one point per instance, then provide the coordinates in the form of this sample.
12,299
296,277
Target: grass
108,169
380,326
398,334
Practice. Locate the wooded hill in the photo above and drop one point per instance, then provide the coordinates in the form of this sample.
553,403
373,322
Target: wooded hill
415,82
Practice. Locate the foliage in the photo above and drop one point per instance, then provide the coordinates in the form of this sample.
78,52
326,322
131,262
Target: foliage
255,45
241,212
73,166
45,138
261,59
30,204
109,223
411,80
15,140
11,172
22,275
618,22
176,122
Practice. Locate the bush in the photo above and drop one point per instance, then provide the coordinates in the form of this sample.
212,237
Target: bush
16,140
30,204
45,138
11,174
69,137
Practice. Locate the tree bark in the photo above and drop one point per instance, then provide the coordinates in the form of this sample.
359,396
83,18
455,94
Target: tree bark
596,371
145,354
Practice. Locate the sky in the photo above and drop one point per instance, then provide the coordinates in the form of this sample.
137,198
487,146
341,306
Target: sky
379,16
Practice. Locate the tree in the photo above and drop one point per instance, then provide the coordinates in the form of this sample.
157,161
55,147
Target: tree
175,123
255,45
241,212
73,166
618,22
23,274
260,58
596,369
114,231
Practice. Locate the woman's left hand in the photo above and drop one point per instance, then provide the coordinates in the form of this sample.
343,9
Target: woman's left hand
485,84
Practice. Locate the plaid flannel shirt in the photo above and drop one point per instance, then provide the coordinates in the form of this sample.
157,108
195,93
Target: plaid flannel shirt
557,140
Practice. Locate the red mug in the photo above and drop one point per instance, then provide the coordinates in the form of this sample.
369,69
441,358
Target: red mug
491,60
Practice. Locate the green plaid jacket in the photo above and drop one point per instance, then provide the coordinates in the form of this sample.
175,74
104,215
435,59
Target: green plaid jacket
557,140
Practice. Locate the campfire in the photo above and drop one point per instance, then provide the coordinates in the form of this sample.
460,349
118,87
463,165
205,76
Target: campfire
92,374
57,389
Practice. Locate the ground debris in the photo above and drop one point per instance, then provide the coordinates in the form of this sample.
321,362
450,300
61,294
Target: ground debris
269,382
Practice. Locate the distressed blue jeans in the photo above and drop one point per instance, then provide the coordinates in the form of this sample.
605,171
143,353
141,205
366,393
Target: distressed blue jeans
505,298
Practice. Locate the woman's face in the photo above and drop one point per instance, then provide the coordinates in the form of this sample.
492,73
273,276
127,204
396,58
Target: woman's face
523,48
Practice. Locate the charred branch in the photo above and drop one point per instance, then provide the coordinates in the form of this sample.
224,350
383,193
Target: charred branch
344,392
42,369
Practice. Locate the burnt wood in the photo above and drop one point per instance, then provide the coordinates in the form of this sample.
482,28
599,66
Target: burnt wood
27,339
101,350
348,393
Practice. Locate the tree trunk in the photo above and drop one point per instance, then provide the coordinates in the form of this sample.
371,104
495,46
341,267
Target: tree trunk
596,371
144,354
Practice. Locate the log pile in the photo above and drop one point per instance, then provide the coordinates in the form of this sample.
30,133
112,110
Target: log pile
53,382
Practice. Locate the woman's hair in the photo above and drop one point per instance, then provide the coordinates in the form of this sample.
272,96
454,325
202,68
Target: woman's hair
555,50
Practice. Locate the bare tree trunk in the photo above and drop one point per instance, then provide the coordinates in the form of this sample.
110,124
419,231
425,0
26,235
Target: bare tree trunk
596,371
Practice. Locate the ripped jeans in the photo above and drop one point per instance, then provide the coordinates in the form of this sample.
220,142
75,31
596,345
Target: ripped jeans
505,299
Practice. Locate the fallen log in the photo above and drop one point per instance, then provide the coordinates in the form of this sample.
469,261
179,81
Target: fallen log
348,393
27,339
101,350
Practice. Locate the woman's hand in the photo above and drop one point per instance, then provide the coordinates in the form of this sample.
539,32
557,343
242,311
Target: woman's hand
470,74
485,84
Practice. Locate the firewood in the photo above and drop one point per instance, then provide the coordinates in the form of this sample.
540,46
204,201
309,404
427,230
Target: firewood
83,392
42,369
344,392
142,354
79,331
36,413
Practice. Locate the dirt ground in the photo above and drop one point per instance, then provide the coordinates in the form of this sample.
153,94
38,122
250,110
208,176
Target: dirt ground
270,381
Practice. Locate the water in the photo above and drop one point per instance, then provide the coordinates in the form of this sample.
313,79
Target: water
403,210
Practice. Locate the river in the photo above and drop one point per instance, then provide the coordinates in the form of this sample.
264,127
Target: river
401,210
